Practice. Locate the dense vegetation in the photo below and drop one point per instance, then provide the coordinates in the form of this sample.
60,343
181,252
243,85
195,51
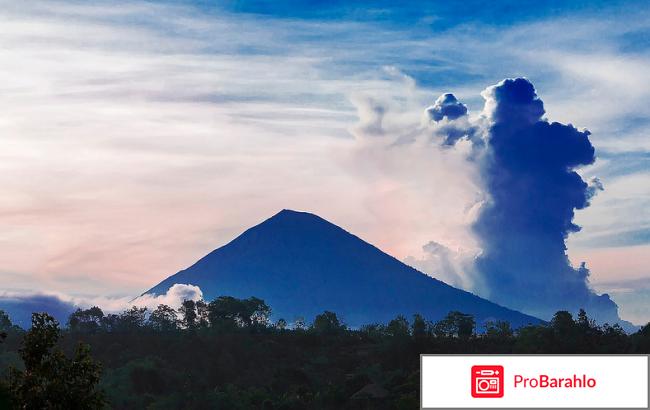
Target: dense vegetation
227,354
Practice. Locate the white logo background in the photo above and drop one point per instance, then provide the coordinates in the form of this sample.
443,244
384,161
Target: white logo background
622,382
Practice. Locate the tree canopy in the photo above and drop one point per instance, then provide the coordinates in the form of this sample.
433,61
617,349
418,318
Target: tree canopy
229,354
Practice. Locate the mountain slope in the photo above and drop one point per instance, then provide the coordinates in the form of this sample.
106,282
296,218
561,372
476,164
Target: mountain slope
301,265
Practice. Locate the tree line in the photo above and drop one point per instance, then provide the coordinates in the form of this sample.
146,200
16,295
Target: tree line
229,354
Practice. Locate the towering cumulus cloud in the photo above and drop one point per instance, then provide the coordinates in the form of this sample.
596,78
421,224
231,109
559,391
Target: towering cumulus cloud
529,174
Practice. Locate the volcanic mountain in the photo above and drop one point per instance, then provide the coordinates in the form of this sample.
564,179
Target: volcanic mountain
302,265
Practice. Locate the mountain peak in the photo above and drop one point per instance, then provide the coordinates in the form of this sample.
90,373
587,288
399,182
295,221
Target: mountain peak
301,265
295,223
290,213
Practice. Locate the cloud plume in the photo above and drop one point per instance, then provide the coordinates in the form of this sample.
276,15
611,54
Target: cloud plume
529,174
520,191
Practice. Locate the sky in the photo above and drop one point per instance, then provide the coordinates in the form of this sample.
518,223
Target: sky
137,136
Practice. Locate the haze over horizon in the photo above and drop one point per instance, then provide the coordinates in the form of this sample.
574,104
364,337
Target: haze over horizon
139,136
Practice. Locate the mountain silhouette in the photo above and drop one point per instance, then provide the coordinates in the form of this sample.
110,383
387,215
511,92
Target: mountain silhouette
302,265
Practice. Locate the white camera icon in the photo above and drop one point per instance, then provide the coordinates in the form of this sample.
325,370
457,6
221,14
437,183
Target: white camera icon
487,382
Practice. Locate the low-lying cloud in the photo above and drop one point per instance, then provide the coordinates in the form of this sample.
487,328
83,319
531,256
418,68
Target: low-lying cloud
176,294
448,264
20,306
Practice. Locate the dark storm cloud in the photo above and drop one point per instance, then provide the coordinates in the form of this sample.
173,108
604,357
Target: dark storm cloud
529,173
451,134
20,307
446,106
451,123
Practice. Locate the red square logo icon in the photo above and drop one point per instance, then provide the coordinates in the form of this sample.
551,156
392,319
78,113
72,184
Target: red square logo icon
487,381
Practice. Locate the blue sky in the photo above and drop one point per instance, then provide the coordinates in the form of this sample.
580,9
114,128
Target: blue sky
137,136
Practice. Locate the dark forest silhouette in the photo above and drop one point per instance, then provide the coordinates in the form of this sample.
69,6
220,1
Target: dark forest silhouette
228,354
